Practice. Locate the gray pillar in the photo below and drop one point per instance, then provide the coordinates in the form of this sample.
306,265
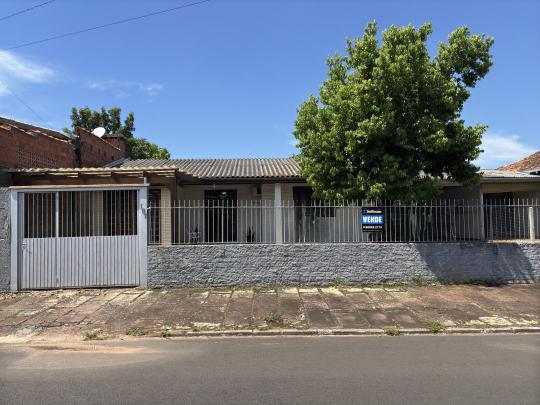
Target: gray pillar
277,216
165,216
531,224
143,236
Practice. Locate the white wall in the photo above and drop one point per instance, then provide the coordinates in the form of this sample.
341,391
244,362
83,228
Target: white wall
253,215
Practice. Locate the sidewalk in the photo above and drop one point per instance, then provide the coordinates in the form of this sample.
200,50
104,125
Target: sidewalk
118,313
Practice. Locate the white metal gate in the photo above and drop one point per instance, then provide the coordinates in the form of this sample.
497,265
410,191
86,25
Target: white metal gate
81,238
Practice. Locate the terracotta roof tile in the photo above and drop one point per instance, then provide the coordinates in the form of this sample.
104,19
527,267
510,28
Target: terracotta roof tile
529,164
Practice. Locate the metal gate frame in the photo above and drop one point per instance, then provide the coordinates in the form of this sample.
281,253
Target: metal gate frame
17,195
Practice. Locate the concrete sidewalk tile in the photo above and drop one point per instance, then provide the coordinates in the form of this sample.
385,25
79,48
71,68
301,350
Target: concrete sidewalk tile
240,304
315,305
217,299
321,319
361,300
384,299
288,291
290,304
11,319
235,319
48,317
331,291
242,293
350,290
199,296
405,318
291,310
336,300
264,304
351,320
311,296
377,319
221,290
308,290
265,290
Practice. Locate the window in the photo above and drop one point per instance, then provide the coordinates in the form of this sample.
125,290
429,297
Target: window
39,215
80,213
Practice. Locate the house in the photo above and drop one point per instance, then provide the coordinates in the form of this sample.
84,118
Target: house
25,146
235,200
90,224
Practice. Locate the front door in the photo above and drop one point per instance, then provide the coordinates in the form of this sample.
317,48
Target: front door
220,216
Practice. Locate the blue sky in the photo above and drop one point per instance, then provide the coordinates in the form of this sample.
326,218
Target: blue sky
224,78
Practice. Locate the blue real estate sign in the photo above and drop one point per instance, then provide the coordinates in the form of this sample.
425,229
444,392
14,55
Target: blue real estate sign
372,219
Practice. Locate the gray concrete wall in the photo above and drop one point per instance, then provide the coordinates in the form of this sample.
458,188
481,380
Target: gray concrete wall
5,256
368,263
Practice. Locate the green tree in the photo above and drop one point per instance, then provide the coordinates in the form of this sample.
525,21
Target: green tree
136,148
386,123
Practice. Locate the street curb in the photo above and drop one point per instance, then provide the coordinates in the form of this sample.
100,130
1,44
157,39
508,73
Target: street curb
341,332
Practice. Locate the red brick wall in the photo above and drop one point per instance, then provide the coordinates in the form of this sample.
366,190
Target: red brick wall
118,142
24,149
94,151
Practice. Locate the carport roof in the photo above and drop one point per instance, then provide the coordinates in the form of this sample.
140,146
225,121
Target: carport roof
104,172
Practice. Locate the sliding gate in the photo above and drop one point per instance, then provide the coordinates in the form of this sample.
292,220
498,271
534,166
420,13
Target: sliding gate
80,238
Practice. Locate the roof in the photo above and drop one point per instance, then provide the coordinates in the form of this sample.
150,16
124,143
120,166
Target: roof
226,169
269,168
33,129
92,172
489,175
528,164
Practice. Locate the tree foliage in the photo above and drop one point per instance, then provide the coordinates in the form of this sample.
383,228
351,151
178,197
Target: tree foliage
386,123
136,148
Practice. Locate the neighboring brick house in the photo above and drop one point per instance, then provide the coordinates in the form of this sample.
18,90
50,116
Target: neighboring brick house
26,146
529,164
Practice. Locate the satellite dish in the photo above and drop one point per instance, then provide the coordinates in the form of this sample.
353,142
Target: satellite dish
99,132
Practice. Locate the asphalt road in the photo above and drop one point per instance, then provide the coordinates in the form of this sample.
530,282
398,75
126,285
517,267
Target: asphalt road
330,370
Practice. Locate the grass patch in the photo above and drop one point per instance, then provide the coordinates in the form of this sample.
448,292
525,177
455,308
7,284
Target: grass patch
434,326
340,286
165,333
274,319
135,331
91,335
12,316
392,331
431,306
419,280
154,287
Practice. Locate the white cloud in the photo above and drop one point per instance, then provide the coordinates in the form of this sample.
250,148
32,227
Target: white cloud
500,149
152,89
16,68
123,88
